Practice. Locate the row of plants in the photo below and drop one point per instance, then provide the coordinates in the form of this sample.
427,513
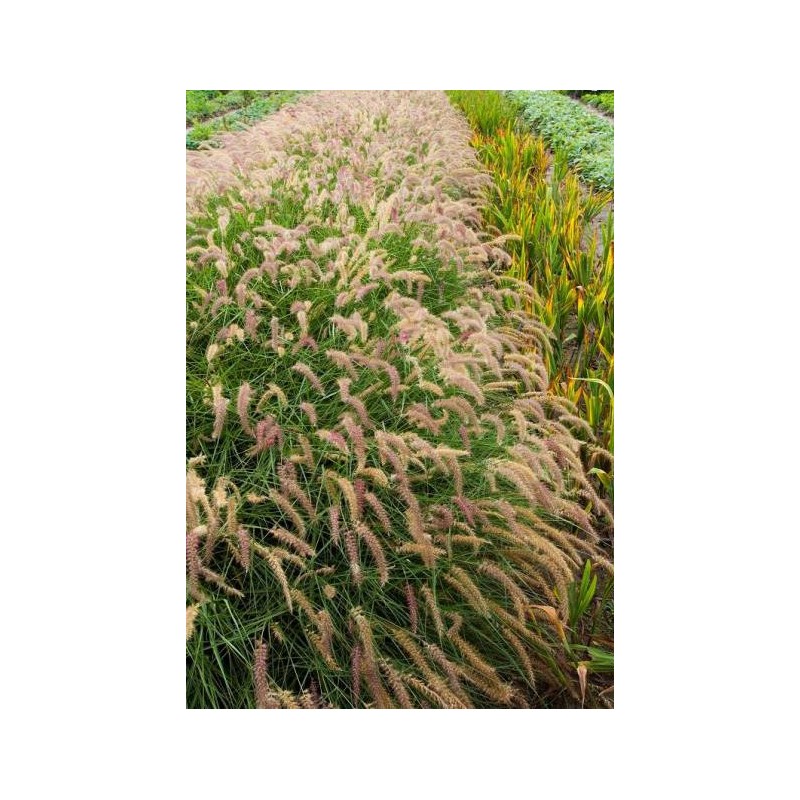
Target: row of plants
559,249
386,505
569,261
204,103
253,106
568,127
603,101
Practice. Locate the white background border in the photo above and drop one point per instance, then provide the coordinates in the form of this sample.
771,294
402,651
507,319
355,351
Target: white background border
706,538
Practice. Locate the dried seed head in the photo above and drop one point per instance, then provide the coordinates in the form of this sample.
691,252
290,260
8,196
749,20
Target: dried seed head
242,406
191,616
413,611
220,407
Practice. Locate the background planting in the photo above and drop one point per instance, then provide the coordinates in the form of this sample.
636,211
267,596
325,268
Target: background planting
585,138
214,112
602,100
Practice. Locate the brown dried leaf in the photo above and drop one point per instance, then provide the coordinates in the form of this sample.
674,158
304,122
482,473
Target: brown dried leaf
582,679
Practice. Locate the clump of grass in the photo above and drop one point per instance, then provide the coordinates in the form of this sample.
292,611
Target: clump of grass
198,134
385,505
487,111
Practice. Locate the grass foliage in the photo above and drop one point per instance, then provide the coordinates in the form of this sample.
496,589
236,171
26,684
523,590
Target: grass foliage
386,507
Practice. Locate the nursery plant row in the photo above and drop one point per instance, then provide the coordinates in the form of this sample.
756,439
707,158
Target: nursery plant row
603,101
560,249
568,127
206,119
203,104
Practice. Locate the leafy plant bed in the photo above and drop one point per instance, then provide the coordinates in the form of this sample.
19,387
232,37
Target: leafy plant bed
204,104
604,101
585,138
